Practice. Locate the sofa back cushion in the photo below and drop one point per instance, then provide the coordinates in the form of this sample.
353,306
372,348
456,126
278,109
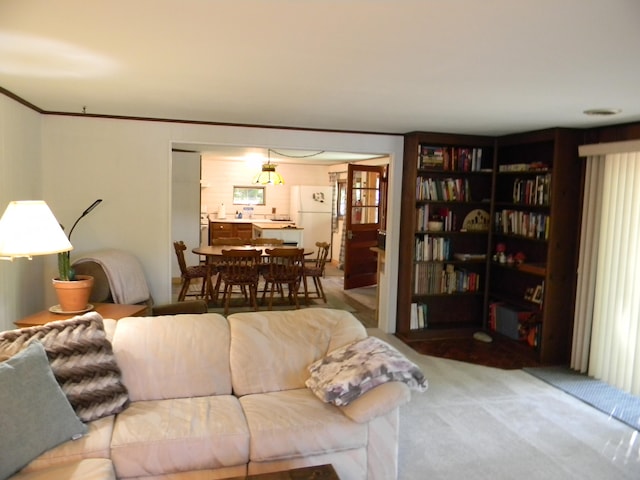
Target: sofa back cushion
173,356
270,351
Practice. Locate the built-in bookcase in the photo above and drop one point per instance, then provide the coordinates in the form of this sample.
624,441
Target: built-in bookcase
535,225
447,190
488,239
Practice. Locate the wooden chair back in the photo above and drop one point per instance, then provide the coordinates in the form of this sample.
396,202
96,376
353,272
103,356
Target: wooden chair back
285,264
319,262
239,266
180,247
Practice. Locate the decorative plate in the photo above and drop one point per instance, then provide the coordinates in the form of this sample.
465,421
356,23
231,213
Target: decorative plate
58,309
477,220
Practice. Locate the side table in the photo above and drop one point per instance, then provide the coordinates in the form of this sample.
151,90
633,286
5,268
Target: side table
115,311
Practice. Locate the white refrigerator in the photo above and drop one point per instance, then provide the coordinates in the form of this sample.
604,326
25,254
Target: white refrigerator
311,210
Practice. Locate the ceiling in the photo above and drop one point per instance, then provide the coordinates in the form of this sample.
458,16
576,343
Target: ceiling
480,67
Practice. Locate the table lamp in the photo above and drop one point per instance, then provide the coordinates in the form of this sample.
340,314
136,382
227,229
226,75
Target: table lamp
29,228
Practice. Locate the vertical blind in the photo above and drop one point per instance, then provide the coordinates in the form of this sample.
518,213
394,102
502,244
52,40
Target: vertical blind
606,341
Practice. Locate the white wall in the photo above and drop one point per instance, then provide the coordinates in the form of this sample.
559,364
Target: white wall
21,288
185,206
127,163
223,175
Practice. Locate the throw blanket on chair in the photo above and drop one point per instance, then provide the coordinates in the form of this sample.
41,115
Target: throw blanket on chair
124,272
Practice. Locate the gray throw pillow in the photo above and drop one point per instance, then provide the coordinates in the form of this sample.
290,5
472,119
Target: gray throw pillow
35,414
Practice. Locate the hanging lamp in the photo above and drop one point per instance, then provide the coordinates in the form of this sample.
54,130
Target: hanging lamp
268,175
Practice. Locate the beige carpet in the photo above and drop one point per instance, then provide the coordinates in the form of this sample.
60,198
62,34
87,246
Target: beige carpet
477,423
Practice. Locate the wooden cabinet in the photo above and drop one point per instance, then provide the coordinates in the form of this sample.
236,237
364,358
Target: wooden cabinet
505,258
536,218
230,229
444,238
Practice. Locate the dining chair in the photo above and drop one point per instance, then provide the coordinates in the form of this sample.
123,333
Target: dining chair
284,268
267,241
314,269
194,272
239,268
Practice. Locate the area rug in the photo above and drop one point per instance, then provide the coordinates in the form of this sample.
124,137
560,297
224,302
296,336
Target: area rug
500,353
610,400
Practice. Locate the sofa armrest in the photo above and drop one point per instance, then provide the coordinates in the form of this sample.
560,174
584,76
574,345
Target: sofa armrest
377,401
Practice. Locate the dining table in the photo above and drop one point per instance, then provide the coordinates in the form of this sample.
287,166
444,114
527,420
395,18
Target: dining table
212,251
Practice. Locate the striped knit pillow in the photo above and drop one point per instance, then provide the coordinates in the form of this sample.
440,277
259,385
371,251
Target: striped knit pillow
82,361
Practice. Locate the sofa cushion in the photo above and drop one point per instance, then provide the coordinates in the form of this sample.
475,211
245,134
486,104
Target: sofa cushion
352,370
176,435
88,469
82,361
35,414
270,351
294,423
96,443
173,356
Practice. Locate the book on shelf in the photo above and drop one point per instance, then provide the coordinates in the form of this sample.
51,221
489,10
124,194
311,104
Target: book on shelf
418,316
532,191
443,189
523,167
425,213
440,278
524,223
462,159
413,324
430,248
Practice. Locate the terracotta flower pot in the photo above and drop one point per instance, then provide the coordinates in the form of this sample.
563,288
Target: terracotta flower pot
73,295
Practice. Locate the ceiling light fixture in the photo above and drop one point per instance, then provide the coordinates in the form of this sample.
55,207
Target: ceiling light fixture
602,112
268,175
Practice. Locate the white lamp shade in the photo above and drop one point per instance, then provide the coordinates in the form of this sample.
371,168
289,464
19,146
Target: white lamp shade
29,228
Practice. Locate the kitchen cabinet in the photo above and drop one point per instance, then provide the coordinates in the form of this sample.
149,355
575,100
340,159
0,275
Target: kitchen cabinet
230,230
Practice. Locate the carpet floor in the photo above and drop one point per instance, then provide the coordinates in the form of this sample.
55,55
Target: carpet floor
598,394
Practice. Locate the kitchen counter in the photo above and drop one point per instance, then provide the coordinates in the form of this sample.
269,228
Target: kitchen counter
287,232
250,220
276,225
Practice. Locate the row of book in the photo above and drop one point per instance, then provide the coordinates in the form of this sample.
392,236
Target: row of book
532,191
526,224
426,213
523,167
443,189
430,248
459,159
438,278
419,317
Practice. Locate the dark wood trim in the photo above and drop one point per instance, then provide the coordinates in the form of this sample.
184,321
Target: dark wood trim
191,122
20,100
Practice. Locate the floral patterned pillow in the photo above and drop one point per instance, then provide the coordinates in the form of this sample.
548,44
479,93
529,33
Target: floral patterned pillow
348,372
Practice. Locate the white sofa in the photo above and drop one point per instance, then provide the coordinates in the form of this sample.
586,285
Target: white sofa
214,397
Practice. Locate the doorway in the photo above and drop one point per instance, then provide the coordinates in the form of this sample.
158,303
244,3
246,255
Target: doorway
389,144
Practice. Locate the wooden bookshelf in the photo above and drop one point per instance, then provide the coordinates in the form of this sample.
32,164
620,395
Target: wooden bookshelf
530,186
447,179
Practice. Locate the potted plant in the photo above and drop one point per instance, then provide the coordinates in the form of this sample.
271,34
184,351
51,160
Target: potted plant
73,290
